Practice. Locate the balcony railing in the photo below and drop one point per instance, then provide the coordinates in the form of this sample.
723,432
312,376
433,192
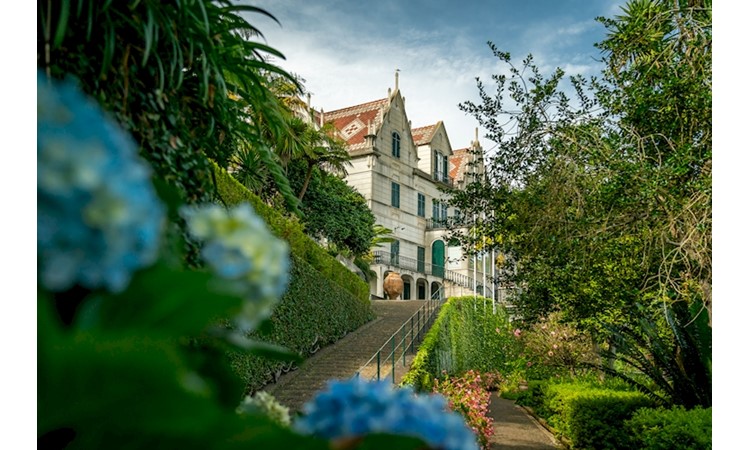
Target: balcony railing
406,263
435,223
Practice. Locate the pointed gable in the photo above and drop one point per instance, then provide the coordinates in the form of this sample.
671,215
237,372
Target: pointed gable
423,135
352,123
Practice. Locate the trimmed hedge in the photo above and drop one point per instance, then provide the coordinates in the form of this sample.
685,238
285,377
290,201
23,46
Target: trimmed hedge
584,414
312,313
663,429
465,336
231,192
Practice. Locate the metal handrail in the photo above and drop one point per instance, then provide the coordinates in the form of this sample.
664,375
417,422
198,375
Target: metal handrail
424,318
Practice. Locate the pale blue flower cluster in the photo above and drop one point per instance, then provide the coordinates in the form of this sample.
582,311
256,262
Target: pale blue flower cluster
238,247
355,407
98,215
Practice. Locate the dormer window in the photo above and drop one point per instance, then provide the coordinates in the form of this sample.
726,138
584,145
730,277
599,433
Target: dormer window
440,169
395,145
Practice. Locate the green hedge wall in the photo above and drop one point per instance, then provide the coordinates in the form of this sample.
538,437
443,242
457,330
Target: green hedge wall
433,354
465,336
312,313
323,302
231,192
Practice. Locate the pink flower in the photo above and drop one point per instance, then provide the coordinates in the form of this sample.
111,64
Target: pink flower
517,332
554,346
528,364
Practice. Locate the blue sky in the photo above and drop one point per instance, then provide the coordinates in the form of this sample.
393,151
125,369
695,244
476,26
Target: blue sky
348,51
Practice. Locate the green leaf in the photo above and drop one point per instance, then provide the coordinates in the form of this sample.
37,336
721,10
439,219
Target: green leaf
164,300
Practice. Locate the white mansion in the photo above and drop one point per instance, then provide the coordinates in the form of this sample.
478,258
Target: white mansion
400,171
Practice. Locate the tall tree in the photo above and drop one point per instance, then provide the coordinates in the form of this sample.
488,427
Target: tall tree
604,202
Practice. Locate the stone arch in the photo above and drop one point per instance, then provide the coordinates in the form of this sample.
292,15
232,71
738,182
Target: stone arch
422,289
410,287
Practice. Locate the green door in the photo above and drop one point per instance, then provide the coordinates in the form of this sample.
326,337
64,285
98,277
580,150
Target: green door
438,259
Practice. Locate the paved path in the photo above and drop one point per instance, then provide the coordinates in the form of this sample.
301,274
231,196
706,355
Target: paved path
342,359
515,429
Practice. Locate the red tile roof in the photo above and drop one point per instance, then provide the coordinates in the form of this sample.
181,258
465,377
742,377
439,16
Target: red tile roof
457,163
352,122
423,135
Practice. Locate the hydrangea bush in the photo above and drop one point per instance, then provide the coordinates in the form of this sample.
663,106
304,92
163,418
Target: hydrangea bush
351,409
267,404
238,246
98,216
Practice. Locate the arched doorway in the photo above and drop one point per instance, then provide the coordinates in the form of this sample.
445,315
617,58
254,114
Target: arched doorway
409,287
434,289
438,258
421,289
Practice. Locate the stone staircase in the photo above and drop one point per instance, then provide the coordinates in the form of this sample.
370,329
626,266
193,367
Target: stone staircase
345,357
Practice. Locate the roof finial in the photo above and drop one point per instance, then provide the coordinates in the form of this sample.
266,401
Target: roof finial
476,136
397,71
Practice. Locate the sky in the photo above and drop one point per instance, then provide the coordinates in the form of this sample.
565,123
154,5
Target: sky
348,51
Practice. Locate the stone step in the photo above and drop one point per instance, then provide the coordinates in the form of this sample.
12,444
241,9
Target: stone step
342,359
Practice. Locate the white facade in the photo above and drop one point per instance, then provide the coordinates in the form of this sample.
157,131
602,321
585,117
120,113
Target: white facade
400,171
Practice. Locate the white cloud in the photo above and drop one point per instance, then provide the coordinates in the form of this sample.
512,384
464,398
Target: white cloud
347,60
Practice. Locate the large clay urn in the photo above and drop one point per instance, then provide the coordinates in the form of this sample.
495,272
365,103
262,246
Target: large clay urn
393,285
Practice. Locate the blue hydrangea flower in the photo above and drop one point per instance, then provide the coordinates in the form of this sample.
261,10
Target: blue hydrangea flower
354,408
238,247
98,216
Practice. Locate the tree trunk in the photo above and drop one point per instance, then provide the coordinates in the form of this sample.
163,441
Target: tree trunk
310,167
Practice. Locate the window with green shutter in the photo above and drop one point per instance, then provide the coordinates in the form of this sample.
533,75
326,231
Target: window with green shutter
420,204
394,252
395,195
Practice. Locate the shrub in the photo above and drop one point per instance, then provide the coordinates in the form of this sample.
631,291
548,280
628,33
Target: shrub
661,429
231,192
468,396
587,415
554,347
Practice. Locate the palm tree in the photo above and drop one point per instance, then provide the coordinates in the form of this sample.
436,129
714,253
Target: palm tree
324,150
